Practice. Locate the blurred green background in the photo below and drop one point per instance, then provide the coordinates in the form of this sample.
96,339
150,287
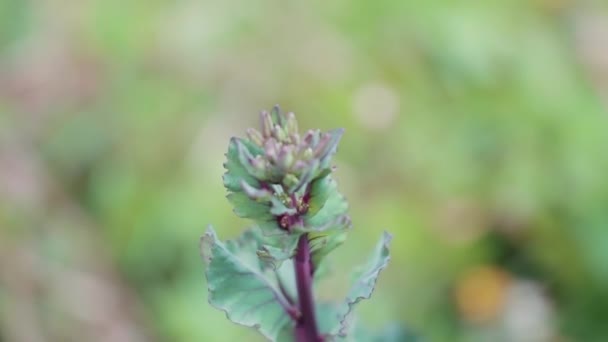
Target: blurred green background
476,132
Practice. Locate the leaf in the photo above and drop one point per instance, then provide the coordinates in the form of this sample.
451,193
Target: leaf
267,199
271,228
287,277
243,246
323,240
276,250
259,195
391,333
328,318
338,320
311,170
338,223
253,164
264,213
321,244
320,190
279,208
331,147
326,203
235,171
365,280
238,286
248,208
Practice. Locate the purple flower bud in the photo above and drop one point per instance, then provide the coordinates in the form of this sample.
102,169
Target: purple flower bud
309,137
271,149
299,166
284,152
295,139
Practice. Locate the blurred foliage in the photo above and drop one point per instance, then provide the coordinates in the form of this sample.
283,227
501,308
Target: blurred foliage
475,132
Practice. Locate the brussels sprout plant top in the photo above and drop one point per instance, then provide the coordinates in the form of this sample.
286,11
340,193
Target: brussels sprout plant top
282,181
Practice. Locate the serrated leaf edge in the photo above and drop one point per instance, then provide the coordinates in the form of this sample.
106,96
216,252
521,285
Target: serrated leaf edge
384,244
211,237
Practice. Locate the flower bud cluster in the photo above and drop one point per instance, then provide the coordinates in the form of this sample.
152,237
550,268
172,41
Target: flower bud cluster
276,167
288,158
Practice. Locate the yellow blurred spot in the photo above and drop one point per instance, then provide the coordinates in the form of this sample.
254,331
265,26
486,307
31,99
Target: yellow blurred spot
480,294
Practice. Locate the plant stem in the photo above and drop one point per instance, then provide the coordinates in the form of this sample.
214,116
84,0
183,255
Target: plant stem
306,327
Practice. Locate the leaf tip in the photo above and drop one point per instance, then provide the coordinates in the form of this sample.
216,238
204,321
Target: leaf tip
206,242
387,238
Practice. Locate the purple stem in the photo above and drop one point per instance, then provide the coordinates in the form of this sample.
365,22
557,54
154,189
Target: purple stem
306,327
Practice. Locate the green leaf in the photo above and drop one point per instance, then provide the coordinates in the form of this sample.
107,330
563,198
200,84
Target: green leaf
320,191
331,147
254,166
243,246
248,208
239,287
270,227
359,333
391,333
365,280
322,243
311,171
328,319
275,250
279,208
326,204
338,320
236,172
287,277
259,195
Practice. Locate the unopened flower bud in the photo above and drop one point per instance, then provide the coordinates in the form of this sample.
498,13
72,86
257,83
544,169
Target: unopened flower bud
270,148
299,166
259,164
308,154
255,136
290,180
308,137
295,138
277,116
292,124
266,123
279,133
286,157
